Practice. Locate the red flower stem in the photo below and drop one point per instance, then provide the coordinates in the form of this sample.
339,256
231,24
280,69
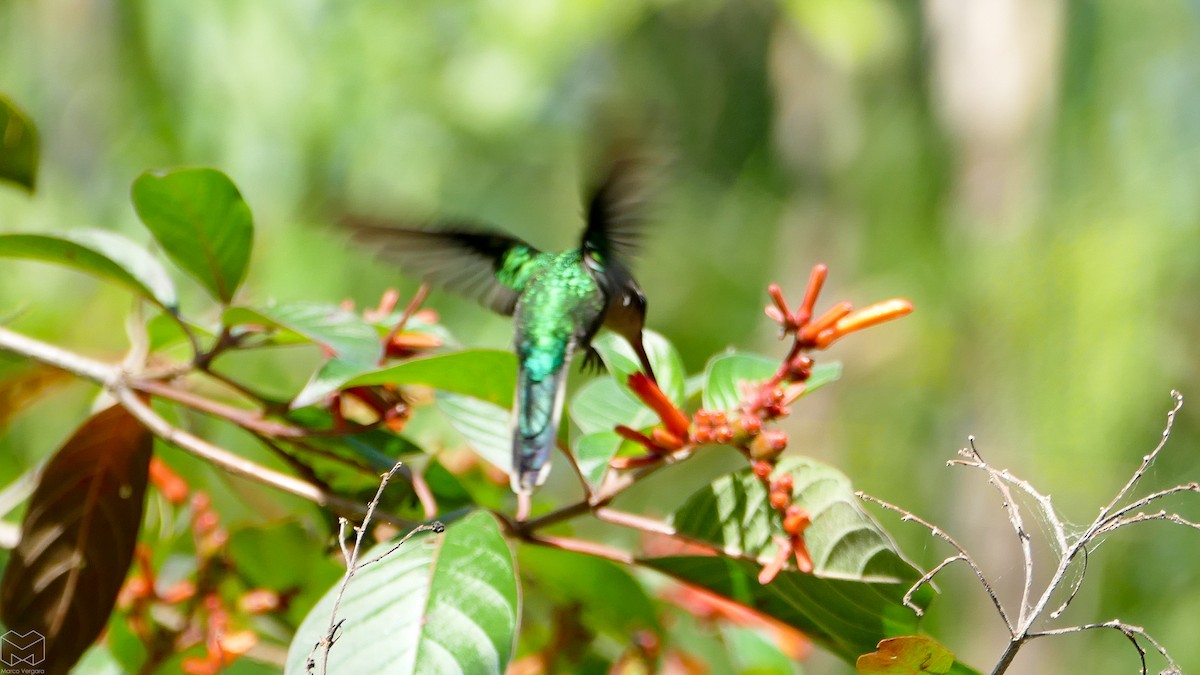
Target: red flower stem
637,437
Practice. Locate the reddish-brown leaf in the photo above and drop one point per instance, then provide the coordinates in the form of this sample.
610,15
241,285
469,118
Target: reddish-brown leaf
77,538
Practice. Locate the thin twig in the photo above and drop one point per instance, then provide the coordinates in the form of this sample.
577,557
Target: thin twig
238,465
51,355
1131,632
1116,515
1144,517
350,555
304,470
309,448
1044,501
583,481
938,532
252,420
612,487
1075,586
582,546
1014,518
1148,459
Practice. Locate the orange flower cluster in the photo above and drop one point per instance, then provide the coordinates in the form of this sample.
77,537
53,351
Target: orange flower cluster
761,402
200,614
836,323
795,518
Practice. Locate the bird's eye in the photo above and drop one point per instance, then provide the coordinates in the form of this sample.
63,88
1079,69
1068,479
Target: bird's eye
593,259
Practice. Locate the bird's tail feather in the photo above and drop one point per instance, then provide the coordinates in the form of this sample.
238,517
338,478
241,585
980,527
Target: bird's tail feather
538,408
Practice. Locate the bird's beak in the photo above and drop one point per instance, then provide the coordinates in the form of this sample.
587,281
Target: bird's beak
641,354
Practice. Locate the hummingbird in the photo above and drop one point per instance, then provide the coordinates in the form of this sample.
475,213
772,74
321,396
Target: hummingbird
558,301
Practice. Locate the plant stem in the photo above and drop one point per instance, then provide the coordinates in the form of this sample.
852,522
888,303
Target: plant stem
118,383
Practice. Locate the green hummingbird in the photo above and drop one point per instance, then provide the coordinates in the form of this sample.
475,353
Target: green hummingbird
558,301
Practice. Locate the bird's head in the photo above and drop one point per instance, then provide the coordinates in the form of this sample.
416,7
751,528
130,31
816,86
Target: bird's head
627,318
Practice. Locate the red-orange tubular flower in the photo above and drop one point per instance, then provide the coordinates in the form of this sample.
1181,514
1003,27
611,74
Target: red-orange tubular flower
672,418
839,321
864,318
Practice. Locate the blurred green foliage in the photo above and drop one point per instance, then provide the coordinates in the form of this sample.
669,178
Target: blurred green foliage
1026,175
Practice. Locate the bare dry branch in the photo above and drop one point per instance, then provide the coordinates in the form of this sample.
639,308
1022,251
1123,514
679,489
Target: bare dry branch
351,555
1129,631
938,532
1148,459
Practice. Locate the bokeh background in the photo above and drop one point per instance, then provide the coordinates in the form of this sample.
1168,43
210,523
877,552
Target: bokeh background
1025,171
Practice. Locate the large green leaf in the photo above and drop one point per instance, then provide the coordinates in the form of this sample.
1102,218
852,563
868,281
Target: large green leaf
732,513
439,604
202,223
486,426
847,617
346,334
602,404
486,374
612,601
855,597
726,374
99,253
621,361
594,451
18,146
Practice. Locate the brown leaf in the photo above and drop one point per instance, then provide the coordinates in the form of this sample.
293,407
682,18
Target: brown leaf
77,538
25,387
907,655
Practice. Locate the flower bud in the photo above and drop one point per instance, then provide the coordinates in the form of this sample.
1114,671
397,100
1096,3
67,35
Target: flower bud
762,470
780,499
751,424
796,520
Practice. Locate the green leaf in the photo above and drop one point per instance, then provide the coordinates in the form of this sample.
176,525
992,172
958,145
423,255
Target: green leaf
623,362
439,604
612,601
202,223
447,488
78,536
330,377
99,253
602,404
18,146
847,617
486,374
752,651
165,332
726,374
346,334
486,426
907,655
597,408
594,451
733,514
854,598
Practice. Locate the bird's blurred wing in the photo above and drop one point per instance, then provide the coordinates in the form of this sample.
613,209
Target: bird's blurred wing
616,212
475,262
